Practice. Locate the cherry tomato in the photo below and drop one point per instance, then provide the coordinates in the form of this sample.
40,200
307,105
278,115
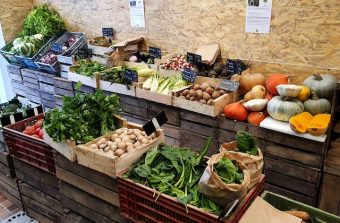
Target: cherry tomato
38,124
37,130
41,134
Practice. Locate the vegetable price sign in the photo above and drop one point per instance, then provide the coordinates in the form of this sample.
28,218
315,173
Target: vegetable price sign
57,48
84,53
189,75
108,32
131,75
229,85
235,67
155,123
155,52
194,58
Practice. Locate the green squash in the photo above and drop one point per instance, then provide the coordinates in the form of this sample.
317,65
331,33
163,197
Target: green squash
283,108
317,105
323,85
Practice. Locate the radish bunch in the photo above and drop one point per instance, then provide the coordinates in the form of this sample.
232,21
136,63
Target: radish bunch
176,63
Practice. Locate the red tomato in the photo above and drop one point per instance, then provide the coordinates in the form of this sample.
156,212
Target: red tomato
41,134
29,130
37,130
38,124
36,136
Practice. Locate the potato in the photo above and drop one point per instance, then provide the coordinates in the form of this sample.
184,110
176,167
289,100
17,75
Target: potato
199,94
129,144
145,141
210,101
222,92
102,146
118,140
119,152
202,101
113,147
136,131
206,96
114,136
107,148
209,90
125,131
185,92
216,94
192,99
122,135
130,131
119,131
192,92
126,138
204,86
136,144
196,87
188,97
121,145
94,146
140,138
132,137
101,141
143,133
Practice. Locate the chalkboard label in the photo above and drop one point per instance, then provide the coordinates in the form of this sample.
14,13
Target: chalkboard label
155,123
155,52
235,67
189,75
108,32
229,85
194,58
131,75
57,48
84,53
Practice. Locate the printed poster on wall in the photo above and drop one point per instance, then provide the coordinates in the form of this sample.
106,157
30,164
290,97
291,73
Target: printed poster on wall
137,18
258,16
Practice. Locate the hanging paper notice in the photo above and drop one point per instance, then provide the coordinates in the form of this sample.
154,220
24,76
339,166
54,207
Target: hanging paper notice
137,18
258,16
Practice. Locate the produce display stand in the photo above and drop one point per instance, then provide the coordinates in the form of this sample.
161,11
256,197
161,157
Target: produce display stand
152,96
98,52
283,203
67,149
27,148
103,162
211,110
10,57
88,81
138,203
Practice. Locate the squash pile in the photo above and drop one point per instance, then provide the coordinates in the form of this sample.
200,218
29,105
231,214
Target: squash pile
306,107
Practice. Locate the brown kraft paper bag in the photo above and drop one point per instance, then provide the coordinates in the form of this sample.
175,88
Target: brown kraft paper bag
215,189
253,163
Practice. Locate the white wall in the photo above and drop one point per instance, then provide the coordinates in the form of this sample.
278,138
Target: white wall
6,92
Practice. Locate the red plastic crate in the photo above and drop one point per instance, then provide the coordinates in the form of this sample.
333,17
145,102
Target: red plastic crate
28,149
137,204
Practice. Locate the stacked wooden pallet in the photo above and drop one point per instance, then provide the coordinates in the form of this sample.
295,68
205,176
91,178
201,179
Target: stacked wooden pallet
14,73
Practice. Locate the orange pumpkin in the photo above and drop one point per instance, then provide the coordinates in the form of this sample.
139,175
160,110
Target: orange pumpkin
276,79
268,96
255,118
236,111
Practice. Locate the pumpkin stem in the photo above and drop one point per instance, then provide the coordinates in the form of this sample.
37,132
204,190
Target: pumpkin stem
317,77
285,98
314,96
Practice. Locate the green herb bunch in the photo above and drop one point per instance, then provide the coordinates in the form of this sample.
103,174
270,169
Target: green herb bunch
83,117
43,20
89,69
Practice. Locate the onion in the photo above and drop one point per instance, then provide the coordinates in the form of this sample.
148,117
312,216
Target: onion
248,81
133,59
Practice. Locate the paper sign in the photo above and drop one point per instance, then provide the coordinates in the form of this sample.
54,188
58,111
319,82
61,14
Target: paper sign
57,48
229,85
108,32
137,18
258,16
155,52
189,75
131,75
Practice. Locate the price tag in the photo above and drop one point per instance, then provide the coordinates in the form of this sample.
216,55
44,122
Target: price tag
57,48
155,52
194,58
189,75
84,53
131,75
235,67
155,123
229,85
108,32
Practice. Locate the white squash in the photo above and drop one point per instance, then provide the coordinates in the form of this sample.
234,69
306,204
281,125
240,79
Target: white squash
255,104
288,90
283,108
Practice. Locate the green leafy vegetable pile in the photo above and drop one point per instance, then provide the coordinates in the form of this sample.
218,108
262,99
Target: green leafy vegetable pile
228,171
11,107
114,75
83,117
89,69
175,172
246,143
43,20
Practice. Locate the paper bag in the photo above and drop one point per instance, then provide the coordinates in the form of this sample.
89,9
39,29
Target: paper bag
262,212
253,163
215,189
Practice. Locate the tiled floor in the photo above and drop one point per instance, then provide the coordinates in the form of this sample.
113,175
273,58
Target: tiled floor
7,208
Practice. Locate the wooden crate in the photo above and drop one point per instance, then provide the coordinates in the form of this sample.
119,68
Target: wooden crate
211,110
134,106
73,217
196,142
45,77
199,118
37,178
172,135
152,96
117,88
46,96
134,118
88,81
47,207
58,100
104,162
84,89
171,112
13,69
62,83
67,148
49,88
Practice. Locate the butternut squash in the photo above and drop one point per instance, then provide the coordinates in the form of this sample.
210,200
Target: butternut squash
319,124
300,122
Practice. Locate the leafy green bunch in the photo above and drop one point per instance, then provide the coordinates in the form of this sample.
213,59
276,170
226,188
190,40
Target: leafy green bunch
44,20
89,69
246,143
83,117
228,171
175,172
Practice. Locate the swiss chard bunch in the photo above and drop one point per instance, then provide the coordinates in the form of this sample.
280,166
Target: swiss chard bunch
83,117
43,20
176,172
246,143
89,69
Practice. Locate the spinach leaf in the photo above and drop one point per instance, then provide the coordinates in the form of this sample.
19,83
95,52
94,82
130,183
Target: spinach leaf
228,171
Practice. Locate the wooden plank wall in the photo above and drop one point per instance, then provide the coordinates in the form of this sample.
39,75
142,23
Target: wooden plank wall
303,32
